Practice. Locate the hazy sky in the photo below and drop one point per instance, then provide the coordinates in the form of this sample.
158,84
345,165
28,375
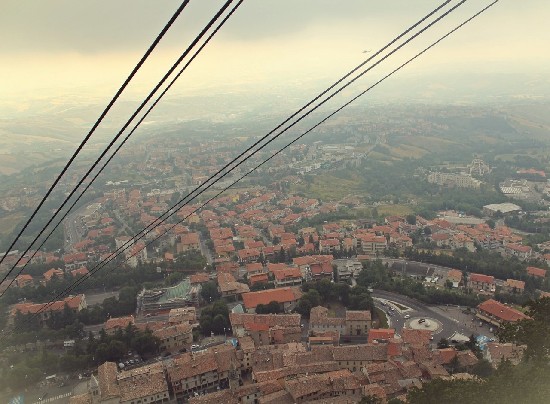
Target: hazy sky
62,47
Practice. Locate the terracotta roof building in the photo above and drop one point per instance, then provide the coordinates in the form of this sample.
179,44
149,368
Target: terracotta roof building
287,297
497,313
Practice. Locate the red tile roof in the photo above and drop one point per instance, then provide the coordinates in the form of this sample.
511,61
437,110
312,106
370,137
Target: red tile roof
287,273
482,278
501,311
279,295
381,333
533,271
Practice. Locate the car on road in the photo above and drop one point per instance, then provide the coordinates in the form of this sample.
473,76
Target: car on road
407,316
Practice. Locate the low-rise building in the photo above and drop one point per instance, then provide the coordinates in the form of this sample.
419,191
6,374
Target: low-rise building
514,286
44,310
240,322
146,384
287,297
23,280
112,324
523,252
345,269
455,276
183,315
175,337
214,369
287,277
354,322
189,242
483,283
496,352
358,322
536,272
229,287
380,335
497,313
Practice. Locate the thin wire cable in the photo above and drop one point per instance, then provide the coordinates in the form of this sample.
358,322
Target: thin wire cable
220,25
94,127
105,262
330,116
176,206
140,108
275,129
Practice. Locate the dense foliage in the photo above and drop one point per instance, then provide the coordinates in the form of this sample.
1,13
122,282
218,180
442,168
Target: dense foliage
214,318
324,292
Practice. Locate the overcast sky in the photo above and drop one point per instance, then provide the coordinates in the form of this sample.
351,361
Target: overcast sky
59,47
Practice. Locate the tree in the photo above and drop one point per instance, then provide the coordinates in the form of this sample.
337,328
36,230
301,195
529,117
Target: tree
482,369
116,350
411,219
209,292
145,343
219,323
443,343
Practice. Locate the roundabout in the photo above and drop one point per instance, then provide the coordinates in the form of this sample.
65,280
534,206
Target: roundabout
425,323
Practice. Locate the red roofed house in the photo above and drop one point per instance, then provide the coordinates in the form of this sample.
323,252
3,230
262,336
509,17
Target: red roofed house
80,271
44,311
440,239
416,337
483,283
287,277
249,255
287,297
23,280
329,246
257,278
381,335
521,251
370,244
497,313
455,276
538,272
321,271
514,286
189,242
49,274
255,268
112,324
198,278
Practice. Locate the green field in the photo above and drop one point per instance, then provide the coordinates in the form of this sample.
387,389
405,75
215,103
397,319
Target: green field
8,223
328,187
394,210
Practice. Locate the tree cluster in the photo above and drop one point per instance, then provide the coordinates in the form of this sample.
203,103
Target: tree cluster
214,318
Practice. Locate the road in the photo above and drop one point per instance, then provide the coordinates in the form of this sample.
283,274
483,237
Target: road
451,318
125,226
205,251
74,229
97,298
